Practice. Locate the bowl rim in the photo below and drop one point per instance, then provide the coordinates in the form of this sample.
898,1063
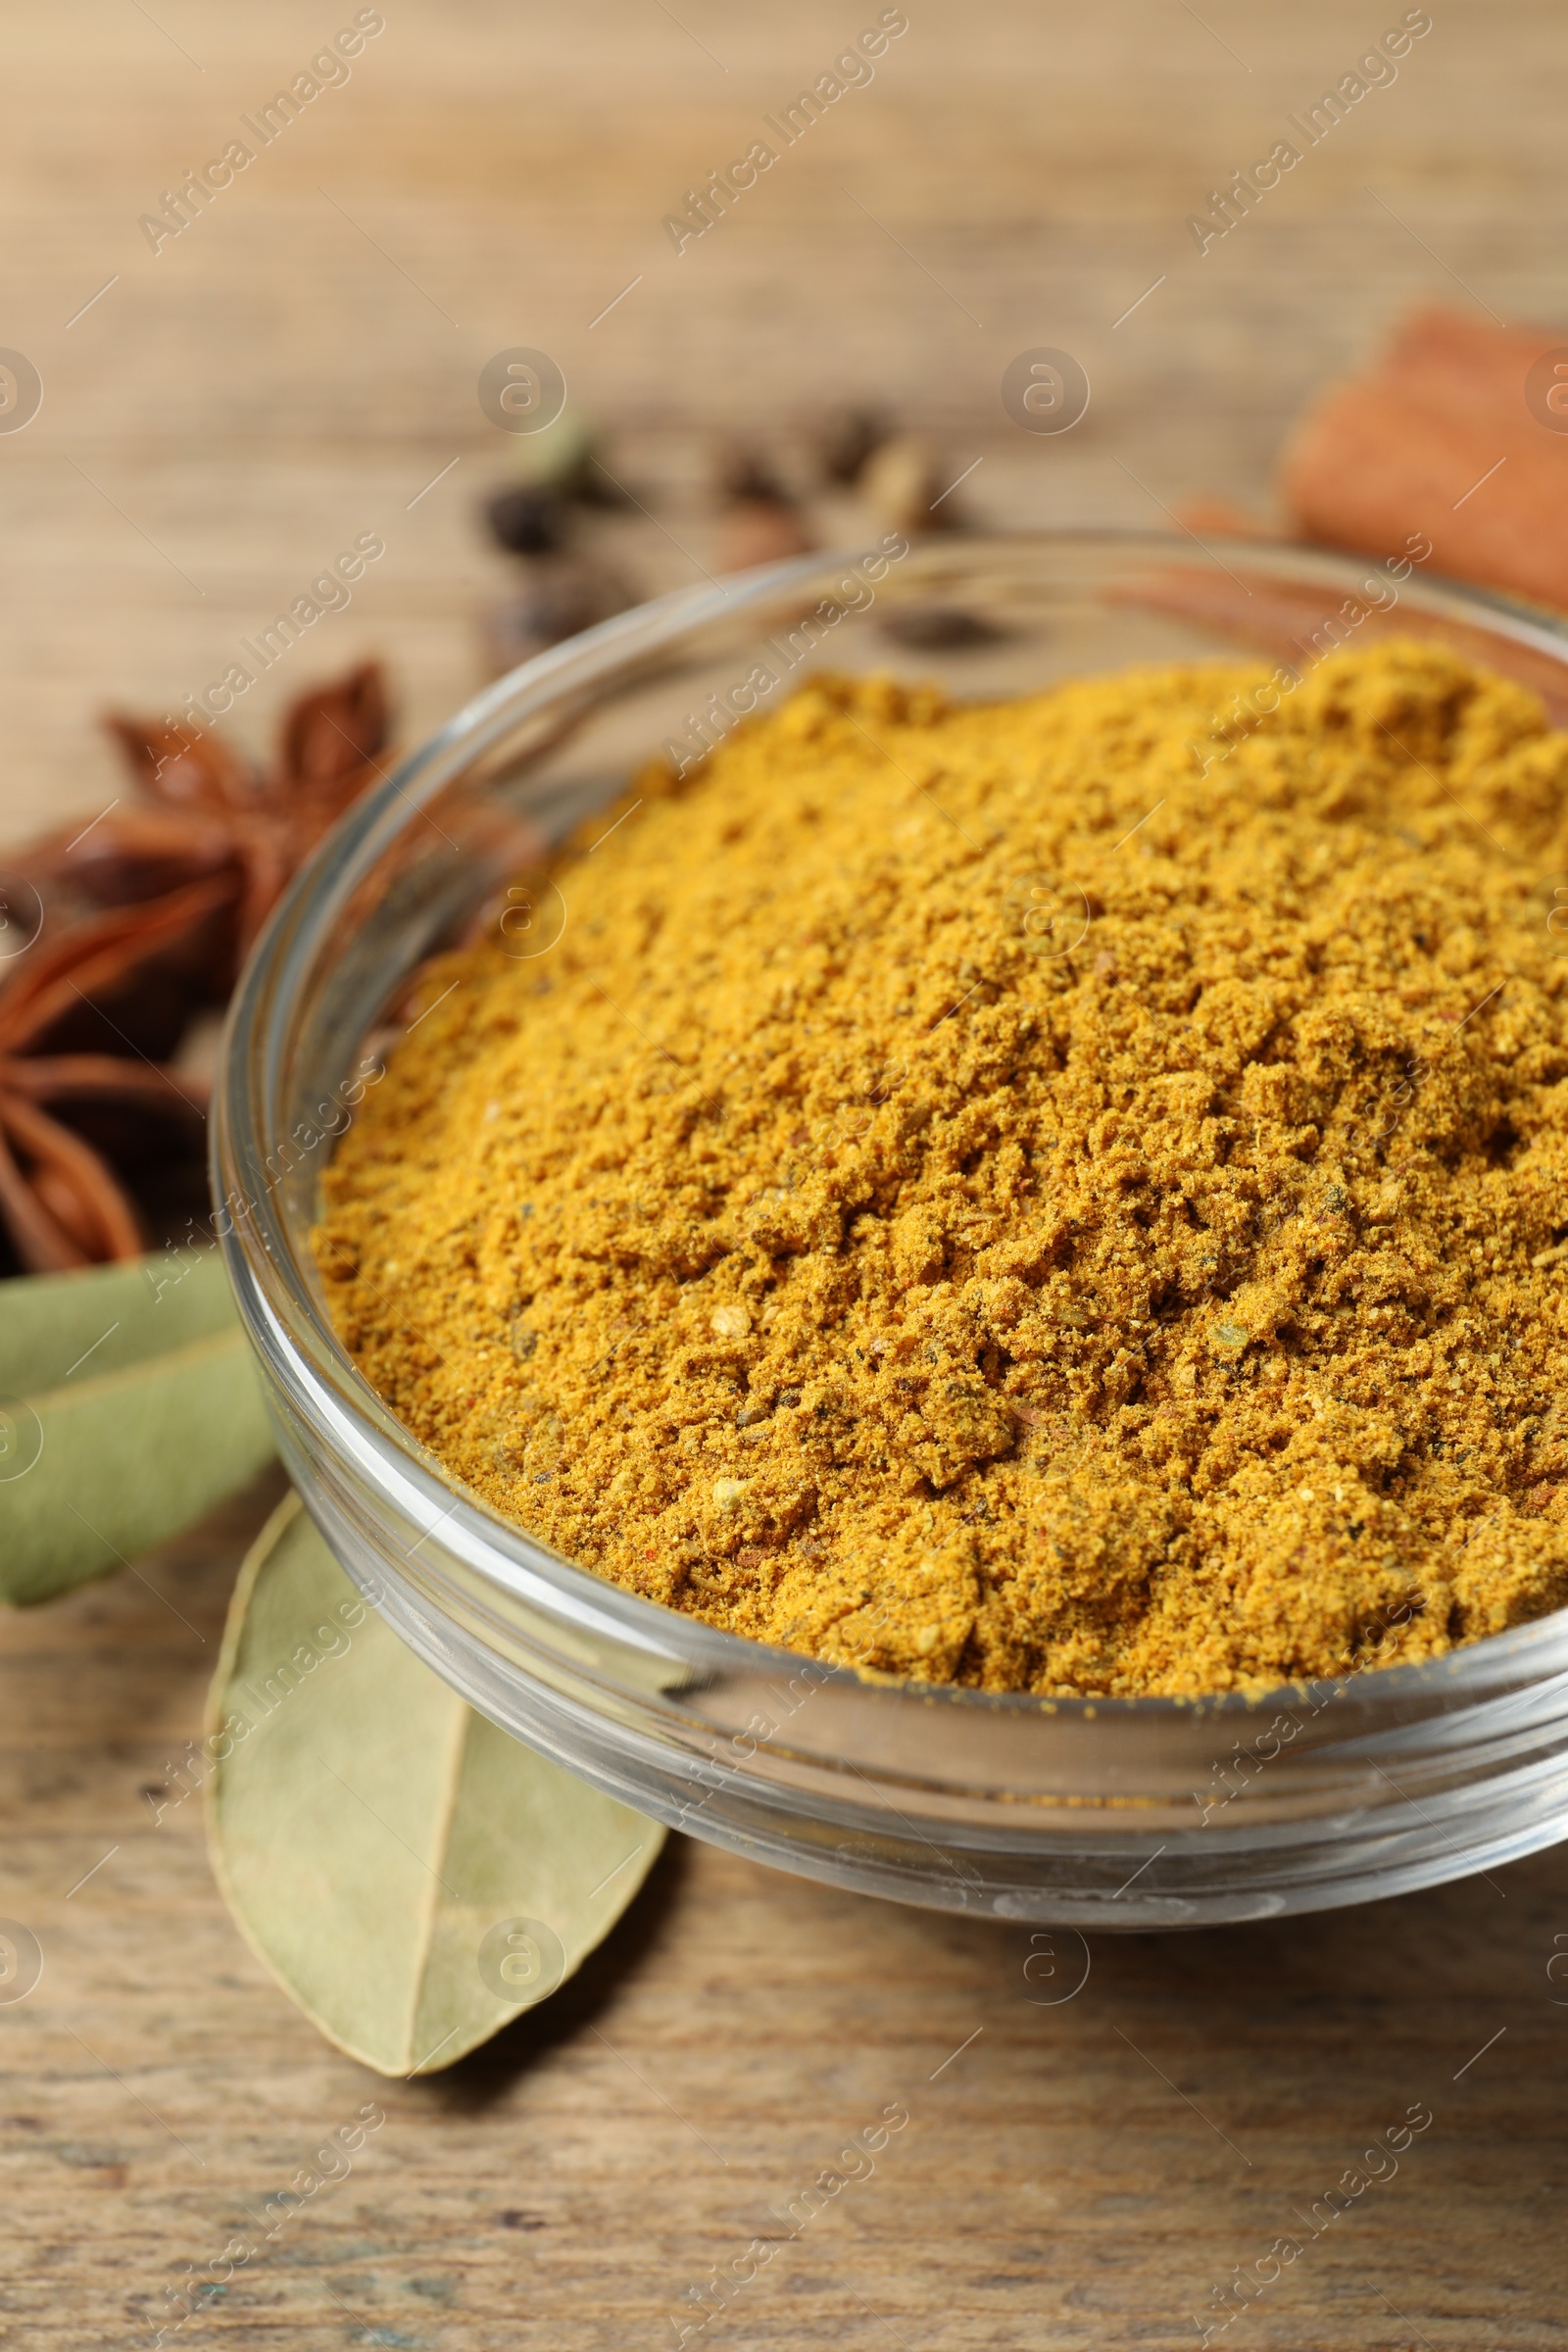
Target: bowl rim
257,1240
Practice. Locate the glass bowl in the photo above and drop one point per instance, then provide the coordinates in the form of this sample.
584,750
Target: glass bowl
1117,1813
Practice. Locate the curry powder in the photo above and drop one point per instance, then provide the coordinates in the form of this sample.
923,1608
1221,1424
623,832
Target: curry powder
973,1195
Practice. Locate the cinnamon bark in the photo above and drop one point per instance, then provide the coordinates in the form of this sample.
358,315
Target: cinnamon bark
1438,437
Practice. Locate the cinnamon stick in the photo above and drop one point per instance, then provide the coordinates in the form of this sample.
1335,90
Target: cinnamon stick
1439,438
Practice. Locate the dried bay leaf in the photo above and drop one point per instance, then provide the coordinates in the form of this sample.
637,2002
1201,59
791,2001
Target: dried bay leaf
120,1313
411,1875
130,1405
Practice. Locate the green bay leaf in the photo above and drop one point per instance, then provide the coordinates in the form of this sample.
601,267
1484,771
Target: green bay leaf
411,1875
113,1315
130,1405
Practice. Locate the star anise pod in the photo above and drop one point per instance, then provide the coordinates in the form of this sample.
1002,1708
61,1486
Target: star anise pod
145,918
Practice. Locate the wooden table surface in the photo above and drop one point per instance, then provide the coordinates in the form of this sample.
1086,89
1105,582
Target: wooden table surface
295,368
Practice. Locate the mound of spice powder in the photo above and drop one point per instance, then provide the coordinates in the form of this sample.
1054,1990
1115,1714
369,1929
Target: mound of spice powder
970,1194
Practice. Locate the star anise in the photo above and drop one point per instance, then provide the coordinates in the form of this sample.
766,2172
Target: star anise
141,922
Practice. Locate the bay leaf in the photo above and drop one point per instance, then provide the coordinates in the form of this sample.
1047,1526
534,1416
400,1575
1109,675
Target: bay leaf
130,1405
114,1315
412,1876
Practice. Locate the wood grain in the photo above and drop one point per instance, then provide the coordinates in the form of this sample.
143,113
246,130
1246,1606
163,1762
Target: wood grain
225,416
287,371
1072,2174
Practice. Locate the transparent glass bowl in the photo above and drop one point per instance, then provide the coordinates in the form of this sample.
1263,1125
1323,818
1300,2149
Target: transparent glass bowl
1120,1813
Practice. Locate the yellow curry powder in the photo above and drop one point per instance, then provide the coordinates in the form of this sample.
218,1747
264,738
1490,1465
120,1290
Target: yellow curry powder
971,1195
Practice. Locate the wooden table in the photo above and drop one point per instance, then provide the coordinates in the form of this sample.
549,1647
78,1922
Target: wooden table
299,365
